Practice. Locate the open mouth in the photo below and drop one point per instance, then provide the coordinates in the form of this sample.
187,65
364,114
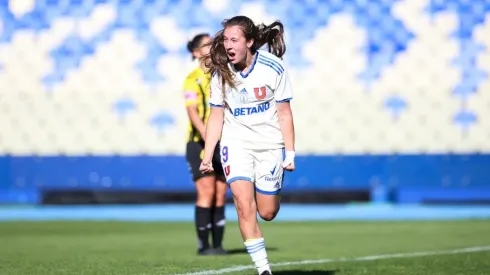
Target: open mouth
231,55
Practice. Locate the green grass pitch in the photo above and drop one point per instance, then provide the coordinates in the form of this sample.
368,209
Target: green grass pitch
125,248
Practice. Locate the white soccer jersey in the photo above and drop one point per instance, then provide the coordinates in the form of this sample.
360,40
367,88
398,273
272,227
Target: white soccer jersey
250,109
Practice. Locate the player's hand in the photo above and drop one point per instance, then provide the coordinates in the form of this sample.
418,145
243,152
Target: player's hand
290,167
288,163
206,167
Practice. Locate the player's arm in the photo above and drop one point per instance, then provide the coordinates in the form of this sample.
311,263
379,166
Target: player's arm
214,124
191,96
196,120
283,96
286,123
213,132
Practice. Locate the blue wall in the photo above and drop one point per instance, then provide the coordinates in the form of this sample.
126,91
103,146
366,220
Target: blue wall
411,177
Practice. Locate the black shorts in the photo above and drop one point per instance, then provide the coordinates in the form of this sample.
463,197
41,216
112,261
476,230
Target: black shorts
194,150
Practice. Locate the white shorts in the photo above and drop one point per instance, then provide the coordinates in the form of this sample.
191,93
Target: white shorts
261,167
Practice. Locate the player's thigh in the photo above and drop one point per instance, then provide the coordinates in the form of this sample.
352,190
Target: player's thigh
220,180
237,162
269,176
243,194
238,167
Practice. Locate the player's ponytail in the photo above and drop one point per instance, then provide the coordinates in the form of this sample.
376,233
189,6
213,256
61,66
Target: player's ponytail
273,36
217,59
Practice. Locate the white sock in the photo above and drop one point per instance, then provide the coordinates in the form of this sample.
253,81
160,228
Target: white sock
256,250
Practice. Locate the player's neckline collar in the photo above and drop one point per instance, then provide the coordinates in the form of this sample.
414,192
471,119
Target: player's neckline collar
244,75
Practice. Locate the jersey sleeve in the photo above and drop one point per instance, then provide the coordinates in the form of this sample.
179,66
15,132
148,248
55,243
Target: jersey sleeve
283,91
216,94
191,91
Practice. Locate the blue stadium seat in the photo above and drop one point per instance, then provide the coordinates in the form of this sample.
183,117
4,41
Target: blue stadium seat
276,8
149,72
465,6
150,3
79,8
479,9
162,120
362,19
452,4
127,2
147,65
52,79
8,30
126,17
401,36
155,49
350,7
48,4
101,37
147,14
470,82
123,106
321,15
395,105
196,18
465,118
336,5
35,21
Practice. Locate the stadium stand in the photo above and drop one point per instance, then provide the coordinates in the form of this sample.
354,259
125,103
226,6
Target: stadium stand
392,98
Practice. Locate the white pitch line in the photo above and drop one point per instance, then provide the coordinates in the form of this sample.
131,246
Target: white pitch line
357,259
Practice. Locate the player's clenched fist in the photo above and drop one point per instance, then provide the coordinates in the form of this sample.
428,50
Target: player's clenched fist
288,163
290,167
206,167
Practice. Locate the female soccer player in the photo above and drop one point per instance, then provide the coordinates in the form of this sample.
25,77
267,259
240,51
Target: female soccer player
211,187
250,110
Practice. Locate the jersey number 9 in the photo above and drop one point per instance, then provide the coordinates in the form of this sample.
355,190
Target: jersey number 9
224,154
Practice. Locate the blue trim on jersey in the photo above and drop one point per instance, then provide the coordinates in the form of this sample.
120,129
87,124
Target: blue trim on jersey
275,62
216,105
252,67
275,65
268,192
284,100
270,66
238,178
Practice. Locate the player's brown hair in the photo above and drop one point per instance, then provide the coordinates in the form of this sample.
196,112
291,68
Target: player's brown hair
217,60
